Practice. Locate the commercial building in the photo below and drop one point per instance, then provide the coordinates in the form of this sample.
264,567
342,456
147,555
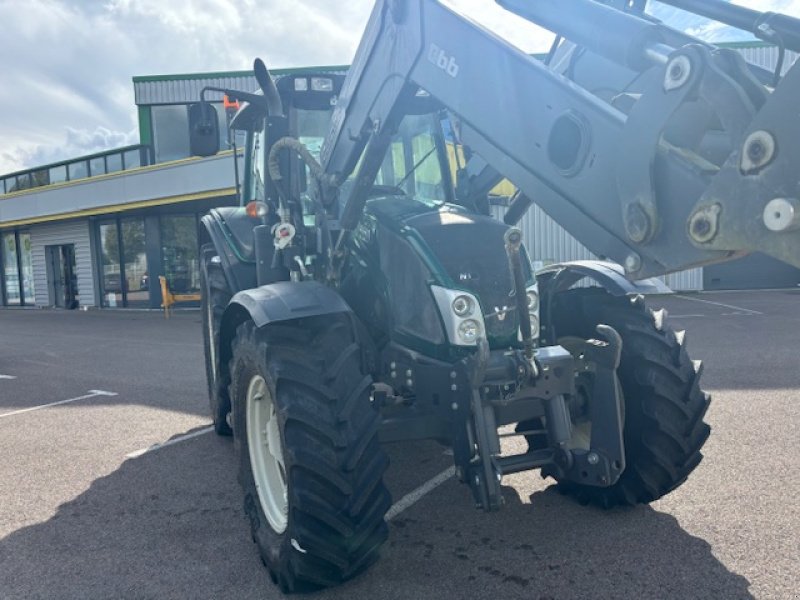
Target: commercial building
99,230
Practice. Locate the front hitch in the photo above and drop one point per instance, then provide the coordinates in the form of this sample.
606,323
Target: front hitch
603,463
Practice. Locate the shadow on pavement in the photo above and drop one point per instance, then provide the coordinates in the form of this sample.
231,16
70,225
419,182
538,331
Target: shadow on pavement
551,548
169,525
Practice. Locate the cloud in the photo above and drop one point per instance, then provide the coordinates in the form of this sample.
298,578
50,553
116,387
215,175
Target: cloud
67,64
713,31
76,142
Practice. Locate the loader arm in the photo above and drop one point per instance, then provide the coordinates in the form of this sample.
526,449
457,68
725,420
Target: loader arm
630,176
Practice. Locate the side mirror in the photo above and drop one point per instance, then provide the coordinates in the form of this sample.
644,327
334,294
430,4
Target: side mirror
203,129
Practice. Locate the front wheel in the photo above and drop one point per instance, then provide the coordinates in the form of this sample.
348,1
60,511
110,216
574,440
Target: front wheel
309,460
664,405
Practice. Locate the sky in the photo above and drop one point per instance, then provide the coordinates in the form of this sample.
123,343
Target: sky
67,64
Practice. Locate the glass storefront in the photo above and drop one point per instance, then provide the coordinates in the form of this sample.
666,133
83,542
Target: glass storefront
179,253
13,294
125,277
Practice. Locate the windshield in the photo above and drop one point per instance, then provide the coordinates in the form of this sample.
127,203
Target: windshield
411,166
312,126
412,163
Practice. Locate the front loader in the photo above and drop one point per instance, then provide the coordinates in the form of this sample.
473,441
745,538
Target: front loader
356,296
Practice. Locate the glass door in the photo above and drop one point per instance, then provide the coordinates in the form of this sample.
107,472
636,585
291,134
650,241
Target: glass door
11,270
124,263
135,282
26,262
111,271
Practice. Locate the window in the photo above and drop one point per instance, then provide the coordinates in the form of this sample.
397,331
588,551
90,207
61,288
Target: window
170,132
259,164
179,253
11,269
413,163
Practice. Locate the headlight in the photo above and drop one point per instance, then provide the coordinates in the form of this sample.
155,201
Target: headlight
469,330
533,300
534,326
532,295
321,84
462,316
463,306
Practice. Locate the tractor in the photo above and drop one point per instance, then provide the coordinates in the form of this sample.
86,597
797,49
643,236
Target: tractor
360,294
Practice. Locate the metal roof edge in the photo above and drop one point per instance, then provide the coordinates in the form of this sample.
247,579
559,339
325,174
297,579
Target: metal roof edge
220,74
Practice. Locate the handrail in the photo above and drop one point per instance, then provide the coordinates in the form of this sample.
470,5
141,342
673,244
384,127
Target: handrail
41,175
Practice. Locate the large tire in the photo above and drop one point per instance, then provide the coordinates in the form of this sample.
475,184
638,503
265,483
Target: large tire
664,405
335,498
215,297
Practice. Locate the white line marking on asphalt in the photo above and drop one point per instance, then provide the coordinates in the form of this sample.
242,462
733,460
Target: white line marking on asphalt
180,438
412,498
737,308
685,316
8,377
91,394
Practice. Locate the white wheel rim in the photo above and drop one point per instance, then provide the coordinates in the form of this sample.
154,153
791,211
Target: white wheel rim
266,454
212,350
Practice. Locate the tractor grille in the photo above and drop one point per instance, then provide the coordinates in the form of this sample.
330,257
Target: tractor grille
472,251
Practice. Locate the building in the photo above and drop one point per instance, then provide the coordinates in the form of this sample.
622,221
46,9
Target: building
99,230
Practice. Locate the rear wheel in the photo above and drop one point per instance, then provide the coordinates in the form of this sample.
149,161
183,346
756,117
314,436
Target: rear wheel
309,460
215,297
664,405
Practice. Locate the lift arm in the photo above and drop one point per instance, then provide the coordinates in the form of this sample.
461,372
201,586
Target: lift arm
627,176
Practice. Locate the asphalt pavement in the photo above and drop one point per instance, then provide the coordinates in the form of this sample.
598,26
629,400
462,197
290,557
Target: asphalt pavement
111,485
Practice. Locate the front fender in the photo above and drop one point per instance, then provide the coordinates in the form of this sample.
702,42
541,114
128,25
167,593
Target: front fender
277,302
287,300
608,275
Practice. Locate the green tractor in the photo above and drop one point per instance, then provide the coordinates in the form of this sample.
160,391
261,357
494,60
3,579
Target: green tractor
425,322
356,296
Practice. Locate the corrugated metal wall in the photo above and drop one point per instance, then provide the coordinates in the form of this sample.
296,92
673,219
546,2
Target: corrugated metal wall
184,91
549,243
74,232
767,57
